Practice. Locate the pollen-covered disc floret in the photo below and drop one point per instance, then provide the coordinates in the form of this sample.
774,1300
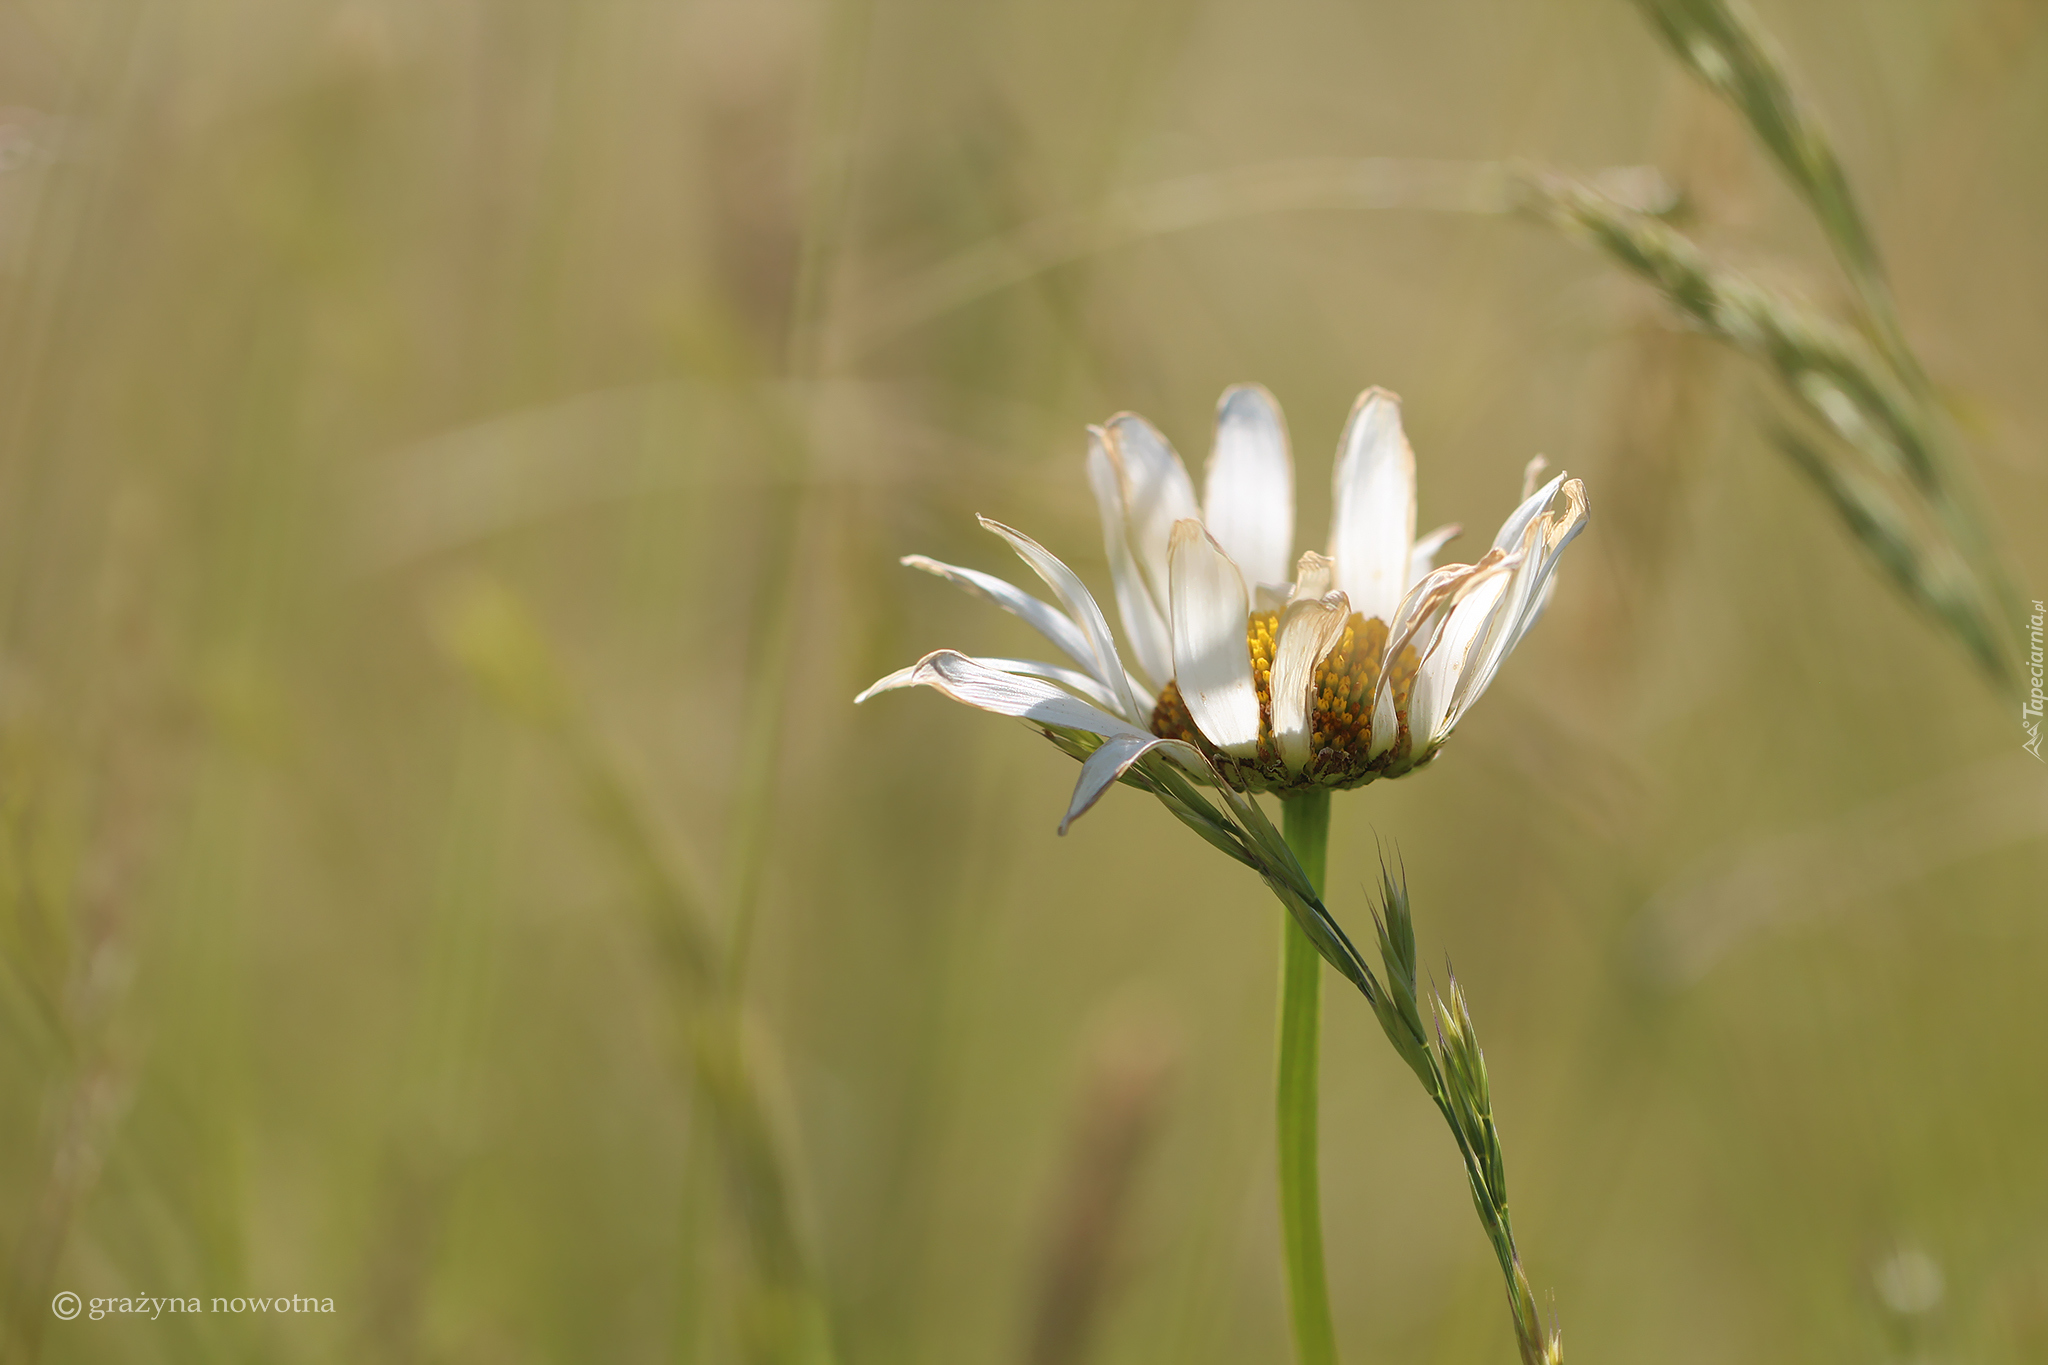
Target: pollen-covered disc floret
1341,741
1284,674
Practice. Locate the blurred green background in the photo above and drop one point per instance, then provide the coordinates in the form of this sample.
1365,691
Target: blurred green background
664,329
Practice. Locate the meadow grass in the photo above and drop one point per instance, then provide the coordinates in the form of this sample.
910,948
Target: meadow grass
332,963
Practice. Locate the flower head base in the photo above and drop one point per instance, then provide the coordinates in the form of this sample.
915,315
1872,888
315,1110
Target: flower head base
1356,666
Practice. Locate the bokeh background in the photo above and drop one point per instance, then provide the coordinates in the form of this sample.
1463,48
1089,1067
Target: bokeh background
454,457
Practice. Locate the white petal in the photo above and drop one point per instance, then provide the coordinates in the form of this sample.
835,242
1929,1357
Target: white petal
971,681
1372,520
1047,619
1144,620
1157,493
1531,472
1518,520
1081,684
1386,722
1066,585
1308,632
1103,768
1438,677
1248,493
1314,576
1212,663
1174,768
1535,611
1423,557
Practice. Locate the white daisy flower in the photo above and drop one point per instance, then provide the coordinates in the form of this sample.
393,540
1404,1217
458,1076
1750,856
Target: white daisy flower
1357,665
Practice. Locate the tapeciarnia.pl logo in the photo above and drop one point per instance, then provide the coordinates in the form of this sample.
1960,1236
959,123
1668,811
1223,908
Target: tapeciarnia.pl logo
2030,710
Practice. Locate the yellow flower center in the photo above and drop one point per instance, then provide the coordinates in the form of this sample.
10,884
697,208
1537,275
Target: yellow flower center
1340,746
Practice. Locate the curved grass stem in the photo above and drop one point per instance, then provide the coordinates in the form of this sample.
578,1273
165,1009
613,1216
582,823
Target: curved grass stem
779,1316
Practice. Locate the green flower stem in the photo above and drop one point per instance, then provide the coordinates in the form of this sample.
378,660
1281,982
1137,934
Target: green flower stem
1306,823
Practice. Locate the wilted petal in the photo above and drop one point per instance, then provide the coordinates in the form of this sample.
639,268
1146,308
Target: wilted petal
1144,619
1066,585
1437,588
1308,632
1466,624
1157,493
1248,493
1518,520
975,683
1212,663
1417,615
1520,602
1043,617
1423,557
1491,645
1372,522
1543,545
1314,576
1563,531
